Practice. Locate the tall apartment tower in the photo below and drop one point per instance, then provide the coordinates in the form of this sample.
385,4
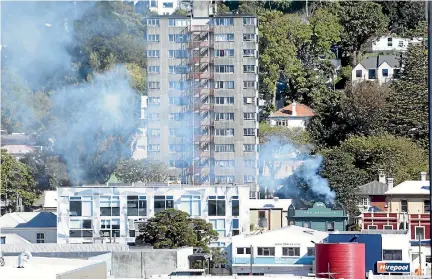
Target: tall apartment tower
202,114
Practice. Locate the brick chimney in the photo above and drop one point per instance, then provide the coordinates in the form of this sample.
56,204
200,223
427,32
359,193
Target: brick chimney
423,176
381,176
294,108
390,183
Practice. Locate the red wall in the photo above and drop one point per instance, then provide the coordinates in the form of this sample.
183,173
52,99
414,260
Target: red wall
378,201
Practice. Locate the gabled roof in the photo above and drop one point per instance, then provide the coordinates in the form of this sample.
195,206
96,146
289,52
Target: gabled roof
28,220
302,111
410,187
17,139
373,188
373,62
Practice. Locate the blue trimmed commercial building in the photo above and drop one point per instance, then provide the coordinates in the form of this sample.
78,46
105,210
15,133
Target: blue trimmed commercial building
289,250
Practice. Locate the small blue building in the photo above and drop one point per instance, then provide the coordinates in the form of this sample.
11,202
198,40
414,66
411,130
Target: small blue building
319,217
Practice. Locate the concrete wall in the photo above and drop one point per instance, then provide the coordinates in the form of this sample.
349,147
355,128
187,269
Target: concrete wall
62,248
127,264
93,271
148,263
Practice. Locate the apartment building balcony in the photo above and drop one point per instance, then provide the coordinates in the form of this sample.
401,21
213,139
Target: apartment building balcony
201,59
195,44
201,75
200,28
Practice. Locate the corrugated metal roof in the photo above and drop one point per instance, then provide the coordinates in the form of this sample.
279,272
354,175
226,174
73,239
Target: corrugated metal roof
373,188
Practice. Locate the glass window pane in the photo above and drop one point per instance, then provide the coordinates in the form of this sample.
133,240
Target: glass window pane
75,208
87,209
235,223
87,224
87,233
212,208
220,223
105,211
235,208
196,208
186,206
220,208
116,211
75,233
75,224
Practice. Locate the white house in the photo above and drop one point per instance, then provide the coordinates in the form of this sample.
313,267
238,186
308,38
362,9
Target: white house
47,202
292,116
269,214
34,227
381,68
389,43
90,214
289,250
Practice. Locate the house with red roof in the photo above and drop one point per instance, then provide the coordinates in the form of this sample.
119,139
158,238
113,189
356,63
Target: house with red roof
294,115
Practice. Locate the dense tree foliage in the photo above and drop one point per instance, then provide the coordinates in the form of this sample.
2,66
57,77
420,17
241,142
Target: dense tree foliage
130,171
359,110
357,160
292,52
404,16
408,106
16,182
47,170
361,20
172,229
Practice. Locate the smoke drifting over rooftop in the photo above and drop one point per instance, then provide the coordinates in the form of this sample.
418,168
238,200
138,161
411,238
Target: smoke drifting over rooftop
92,124
303,181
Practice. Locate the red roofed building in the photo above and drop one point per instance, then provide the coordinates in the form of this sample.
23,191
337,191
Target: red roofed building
292,116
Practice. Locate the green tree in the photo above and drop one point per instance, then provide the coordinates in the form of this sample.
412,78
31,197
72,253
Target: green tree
328,127
404,16
361,21
357,161
23,110
132,170
398,156
359,110
174,229
120,40
295,136
180,12
343,176
47,170
407,112
218,258
291,53
222,9
16,182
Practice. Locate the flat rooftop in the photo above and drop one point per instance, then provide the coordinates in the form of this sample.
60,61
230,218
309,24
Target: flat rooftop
156,184
40,267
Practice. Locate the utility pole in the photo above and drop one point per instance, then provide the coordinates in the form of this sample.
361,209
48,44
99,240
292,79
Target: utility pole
420,257
251,259
429,44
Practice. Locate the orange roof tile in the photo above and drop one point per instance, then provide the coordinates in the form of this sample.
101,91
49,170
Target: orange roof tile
302,111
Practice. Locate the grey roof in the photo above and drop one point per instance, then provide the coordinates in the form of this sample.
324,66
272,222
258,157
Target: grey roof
373,62
373,188
12,139
373,232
